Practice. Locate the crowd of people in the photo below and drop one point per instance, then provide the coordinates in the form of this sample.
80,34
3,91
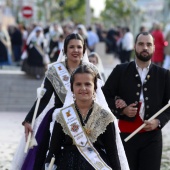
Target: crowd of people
19,44
82,118
87,98
80,129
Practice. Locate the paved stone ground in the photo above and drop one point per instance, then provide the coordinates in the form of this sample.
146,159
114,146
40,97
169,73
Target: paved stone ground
10,134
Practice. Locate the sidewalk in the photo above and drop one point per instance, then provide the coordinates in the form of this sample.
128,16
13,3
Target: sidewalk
10,134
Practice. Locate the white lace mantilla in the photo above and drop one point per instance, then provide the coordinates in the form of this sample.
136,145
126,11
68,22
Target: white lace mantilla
97,122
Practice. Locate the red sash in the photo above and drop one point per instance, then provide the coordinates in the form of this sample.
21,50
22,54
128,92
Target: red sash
129,127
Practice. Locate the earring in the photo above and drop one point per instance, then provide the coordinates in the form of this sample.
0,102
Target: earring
65,57
81,61
74,97
94,96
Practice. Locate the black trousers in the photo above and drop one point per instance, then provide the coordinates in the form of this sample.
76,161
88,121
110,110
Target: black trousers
144,150
125,56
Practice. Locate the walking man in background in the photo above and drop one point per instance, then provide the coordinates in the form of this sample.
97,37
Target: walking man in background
127,45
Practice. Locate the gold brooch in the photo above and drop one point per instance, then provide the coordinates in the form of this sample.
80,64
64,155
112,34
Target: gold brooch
88,131
68,113
59,68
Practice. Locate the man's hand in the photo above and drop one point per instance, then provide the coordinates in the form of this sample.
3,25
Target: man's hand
151,125
130,110
28,129
120,104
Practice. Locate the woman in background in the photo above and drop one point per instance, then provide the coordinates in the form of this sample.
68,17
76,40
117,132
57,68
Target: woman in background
36,61
5,47
158,55
96,60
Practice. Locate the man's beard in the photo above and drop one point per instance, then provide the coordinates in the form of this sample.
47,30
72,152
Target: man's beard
143,58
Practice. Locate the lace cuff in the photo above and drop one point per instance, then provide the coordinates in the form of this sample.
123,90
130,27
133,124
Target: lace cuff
54,167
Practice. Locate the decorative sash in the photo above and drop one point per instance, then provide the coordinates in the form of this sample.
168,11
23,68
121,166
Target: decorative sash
39,49
80,139
3,41
60,79
64,76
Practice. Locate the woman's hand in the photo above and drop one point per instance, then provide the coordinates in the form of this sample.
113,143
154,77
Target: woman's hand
28,129
130,110
120,104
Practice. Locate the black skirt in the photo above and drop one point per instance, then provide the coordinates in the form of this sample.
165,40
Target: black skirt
71,159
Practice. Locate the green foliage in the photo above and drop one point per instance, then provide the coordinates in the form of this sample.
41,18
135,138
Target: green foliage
118,11
63,10
73,10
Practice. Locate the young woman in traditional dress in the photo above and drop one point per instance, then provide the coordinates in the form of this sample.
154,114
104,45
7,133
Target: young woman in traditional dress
85,134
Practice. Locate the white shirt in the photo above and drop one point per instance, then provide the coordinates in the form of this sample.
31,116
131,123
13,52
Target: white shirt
142,73
92,38
127,41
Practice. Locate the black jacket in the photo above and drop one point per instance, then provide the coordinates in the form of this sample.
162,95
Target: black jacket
124,82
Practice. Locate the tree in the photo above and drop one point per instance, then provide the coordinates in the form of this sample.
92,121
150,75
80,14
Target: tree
118,12
74,10
62,10
166,12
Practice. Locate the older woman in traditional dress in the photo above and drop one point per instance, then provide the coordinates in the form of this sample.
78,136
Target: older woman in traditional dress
56,83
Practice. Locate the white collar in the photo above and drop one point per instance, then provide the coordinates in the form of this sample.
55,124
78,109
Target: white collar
137,67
